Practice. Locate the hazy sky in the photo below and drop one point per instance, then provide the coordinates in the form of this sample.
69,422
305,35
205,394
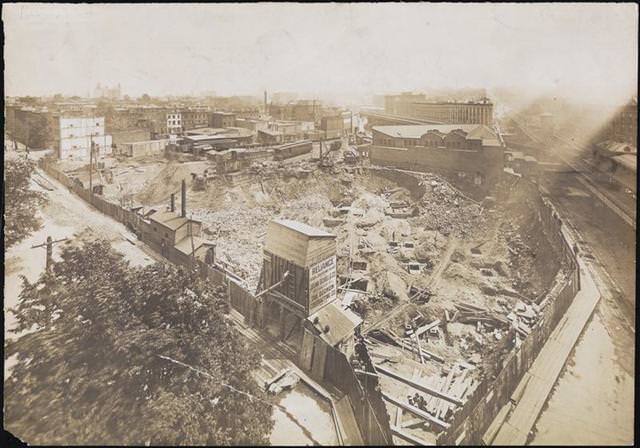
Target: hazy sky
587,50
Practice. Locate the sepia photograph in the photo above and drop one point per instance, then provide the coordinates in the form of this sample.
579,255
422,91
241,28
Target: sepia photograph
295,224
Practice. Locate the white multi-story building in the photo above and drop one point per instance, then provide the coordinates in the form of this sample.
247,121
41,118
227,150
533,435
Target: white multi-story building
174,122
75,134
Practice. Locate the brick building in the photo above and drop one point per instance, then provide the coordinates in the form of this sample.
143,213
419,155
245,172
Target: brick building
623,127
222,119
469,154
192,119
448,112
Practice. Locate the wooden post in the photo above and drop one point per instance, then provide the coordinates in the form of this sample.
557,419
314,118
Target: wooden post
49,254
282,323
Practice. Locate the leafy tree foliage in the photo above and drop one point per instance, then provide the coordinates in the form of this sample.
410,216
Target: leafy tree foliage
92,372
20,202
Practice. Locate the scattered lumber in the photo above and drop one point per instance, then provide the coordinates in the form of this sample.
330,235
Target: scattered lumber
409,345
447,384
427,327
418,386
414,410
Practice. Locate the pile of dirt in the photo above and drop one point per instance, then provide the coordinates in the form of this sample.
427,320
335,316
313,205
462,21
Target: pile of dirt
445,209
158,188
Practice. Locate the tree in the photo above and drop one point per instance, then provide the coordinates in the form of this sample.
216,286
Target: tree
145,98
98,368
20,201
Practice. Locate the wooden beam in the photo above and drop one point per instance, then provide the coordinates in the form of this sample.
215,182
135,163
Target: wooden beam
427,327
408,437
415,411
418,386
409,346
399,416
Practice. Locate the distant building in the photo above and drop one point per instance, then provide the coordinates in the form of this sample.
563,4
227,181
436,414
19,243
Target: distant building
393,104
74,136
129,135
222,119
112,93
470,154
623,127
480,112
333,126
33,127
252,124
141,148
301,110
174,122
192,119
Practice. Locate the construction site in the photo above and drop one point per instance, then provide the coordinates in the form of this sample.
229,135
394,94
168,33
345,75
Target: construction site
447,287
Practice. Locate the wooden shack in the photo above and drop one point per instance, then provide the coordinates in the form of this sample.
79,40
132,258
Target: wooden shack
298,289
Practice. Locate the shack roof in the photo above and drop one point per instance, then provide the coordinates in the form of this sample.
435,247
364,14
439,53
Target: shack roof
341,323
184,245
171,220
303,228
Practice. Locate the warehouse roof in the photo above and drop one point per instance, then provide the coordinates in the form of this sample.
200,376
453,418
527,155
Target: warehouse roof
473,131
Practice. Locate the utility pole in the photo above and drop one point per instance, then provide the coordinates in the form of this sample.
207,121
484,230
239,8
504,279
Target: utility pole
91,165
49,245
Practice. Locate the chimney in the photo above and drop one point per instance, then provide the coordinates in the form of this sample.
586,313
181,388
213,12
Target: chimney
173,202
183,199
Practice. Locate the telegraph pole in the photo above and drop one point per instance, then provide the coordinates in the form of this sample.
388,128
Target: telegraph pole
91,165
49,245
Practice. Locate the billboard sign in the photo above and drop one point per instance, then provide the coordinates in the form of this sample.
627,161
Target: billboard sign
322,282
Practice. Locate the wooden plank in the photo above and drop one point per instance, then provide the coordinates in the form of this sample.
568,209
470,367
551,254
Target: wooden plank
419,350
408,345
307,350
443,406
319,359
427,327
408,437
414,410
418,386
399,416
433,405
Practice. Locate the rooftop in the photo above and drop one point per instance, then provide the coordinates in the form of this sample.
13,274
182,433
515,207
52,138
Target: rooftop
172,220
341,323
473,131
303,228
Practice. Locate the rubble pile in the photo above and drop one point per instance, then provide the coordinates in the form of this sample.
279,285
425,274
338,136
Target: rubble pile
446,210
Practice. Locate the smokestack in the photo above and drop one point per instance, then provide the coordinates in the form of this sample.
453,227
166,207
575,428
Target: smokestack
183,199
173,202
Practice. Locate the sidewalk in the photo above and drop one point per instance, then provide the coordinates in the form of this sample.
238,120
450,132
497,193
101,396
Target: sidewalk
538,382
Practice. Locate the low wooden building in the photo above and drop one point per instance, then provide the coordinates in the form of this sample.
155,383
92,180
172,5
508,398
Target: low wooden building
299,292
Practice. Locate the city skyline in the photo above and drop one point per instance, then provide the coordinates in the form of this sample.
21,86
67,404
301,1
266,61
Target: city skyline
246,49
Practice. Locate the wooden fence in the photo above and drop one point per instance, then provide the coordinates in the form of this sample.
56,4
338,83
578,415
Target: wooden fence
471,421
364,396
366,401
